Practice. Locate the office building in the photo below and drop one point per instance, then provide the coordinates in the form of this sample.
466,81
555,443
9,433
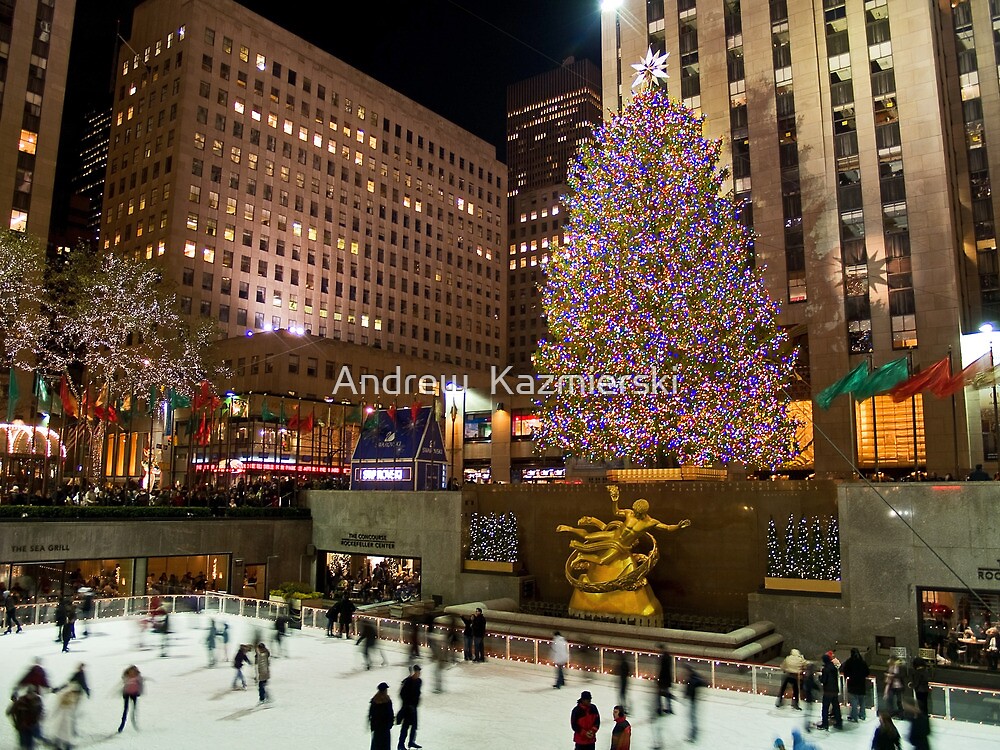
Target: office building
858,134
89,180
34,55
280,188
548,117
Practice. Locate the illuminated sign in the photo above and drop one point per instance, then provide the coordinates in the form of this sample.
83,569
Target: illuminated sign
387,474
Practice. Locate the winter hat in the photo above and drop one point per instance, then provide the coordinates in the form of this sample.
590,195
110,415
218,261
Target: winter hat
383,686
827,659
585,695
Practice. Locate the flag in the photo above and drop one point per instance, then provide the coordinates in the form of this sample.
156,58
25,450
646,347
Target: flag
69,403
42,393
391,411
265,413
13,394
845,385
306,425
178,400
883,379
978,368
281,413
293,422
415,408
926,379
154,397
204,395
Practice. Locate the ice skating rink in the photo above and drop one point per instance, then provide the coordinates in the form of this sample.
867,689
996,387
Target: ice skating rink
321,690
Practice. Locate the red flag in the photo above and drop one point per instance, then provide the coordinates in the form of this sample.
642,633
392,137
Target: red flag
204,395
929,378
306,425
294,423
391,411
415,408
85,404
958,382
69,403
203,431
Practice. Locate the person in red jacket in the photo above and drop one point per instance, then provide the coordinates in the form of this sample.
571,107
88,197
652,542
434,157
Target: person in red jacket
585,720
621,735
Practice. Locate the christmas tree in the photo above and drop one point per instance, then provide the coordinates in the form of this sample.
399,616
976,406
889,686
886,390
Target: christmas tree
663,333
775,554
790,568
831,551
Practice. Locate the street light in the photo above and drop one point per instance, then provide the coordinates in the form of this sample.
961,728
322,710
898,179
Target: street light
608,6
453,388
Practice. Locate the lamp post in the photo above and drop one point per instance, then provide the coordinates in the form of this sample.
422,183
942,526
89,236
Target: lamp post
455,469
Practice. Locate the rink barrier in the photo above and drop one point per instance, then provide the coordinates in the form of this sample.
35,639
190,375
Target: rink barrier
950,702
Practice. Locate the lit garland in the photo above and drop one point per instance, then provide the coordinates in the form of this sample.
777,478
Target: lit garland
654,275
775,560
493,537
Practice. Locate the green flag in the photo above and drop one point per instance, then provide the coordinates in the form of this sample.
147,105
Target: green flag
13,394
885,378
265,413
43,393
845,385
179,400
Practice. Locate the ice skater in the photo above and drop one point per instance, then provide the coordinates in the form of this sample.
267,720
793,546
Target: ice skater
585,720
560,657
409,696
380,718
664,679
132,685
242,658
62,724
624,672
792,667
694,683
263,663
621,735
210,642
369,638
25,712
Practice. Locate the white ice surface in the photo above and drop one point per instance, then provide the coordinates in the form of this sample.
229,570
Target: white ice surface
320,694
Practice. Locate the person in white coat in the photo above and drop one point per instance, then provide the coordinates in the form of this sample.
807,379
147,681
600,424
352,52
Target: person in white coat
560,657
61,725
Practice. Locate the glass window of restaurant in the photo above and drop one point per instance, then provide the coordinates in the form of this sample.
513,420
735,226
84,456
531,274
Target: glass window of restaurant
39,582
187,574
954,623
369,578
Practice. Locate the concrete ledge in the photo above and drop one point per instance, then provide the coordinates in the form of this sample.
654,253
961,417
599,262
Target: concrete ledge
755,641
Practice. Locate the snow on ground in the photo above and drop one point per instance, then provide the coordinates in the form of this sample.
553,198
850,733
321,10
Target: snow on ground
321,690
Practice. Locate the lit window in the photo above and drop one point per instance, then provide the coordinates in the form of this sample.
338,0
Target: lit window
239,105
189,249
192,222
359,158
364,321
261,62
360,135
276,301
255,114
317,140
28,142
272,119
244,53
303,133
180,33
18,220
161,248
287,127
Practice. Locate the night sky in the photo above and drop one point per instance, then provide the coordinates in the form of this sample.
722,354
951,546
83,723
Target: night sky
455,57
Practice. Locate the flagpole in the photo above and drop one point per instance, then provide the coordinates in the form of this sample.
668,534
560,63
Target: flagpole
954,417
871,365
913,412
996,415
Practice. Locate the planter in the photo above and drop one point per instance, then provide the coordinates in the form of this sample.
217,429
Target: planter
804,585
489,566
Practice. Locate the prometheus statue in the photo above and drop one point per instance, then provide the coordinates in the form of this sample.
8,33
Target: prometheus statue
607,576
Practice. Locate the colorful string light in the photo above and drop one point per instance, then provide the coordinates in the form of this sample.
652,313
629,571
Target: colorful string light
655,275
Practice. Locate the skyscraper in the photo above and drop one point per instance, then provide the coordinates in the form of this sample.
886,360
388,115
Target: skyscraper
89,181
548,117
281,189
34,53
857,131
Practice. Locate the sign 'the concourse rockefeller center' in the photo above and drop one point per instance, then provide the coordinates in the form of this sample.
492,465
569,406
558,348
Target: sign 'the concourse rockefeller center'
368,541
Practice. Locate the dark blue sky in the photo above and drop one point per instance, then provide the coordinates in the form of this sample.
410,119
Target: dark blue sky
454,56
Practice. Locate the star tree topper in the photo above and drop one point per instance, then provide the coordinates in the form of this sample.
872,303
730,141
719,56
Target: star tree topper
653,67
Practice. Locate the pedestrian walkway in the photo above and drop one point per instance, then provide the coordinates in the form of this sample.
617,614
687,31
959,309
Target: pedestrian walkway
320,693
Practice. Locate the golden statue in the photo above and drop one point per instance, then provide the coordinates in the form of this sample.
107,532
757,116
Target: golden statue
607,577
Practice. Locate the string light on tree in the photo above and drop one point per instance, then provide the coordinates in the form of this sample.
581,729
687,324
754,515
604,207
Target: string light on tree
493,537
654,278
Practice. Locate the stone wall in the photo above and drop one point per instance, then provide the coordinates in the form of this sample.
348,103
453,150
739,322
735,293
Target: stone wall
955,531
706,569
428,525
